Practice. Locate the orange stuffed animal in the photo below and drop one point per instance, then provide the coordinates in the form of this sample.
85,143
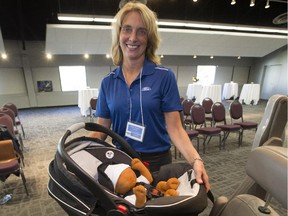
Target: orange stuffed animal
124,180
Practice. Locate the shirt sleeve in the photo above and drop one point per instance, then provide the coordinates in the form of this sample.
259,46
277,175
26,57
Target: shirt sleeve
170,93
102,109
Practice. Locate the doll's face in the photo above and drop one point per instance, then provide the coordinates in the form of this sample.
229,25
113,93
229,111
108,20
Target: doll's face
126,181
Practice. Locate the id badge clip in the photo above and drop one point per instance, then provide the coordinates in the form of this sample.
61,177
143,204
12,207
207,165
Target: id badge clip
135,131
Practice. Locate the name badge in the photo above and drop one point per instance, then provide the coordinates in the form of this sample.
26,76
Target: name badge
135,131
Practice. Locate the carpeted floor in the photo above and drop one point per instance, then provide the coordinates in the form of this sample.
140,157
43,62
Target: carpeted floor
45,126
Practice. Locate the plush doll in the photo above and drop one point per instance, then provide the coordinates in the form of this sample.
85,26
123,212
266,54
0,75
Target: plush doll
168,188
126,184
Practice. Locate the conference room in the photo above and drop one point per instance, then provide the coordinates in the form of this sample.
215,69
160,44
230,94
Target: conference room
52,64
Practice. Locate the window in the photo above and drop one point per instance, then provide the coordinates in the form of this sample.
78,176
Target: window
206,74
72,78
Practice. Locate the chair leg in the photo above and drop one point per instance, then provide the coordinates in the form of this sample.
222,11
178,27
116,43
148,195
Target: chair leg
197,144
224,139
204,145
220,143
24,181
240,137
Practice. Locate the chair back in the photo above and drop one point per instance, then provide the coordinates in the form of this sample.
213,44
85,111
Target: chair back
7,152
187,104
181,99
218,113
12,107
93,102
236,110
6,120
198,115
9,112
207,104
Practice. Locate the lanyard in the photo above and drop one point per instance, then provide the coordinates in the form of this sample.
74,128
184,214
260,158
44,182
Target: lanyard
140,98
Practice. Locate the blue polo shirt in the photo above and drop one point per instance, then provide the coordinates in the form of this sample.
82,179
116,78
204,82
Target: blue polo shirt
159,94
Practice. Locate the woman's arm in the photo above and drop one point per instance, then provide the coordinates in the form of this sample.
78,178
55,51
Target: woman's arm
182,142
104,122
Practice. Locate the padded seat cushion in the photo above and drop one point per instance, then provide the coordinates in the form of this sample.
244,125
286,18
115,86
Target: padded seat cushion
229,127
209,130
247,125
9,166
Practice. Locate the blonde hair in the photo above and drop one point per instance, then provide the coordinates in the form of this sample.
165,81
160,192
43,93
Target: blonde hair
149,19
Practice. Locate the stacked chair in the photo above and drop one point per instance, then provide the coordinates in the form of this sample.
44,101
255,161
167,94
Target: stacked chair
236,114
18,122
219,120
207,104
10,162
187,104
199,124
14,130
11,144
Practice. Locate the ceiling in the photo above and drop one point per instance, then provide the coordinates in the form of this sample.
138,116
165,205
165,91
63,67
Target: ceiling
27,20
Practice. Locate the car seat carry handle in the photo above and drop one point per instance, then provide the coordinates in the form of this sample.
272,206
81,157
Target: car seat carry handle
122,142
108,204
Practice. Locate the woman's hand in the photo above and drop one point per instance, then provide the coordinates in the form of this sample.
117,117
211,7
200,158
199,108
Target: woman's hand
201,174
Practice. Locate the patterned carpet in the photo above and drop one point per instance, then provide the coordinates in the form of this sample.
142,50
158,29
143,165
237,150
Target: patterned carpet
45,126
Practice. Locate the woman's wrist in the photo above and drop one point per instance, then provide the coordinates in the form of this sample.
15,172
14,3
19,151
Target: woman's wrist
197,159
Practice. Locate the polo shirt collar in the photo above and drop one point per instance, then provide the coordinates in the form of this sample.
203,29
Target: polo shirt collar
148,68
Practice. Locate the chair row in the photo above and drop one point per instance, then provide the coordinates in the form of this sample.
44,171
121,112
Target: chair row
199,115
11,144
11,111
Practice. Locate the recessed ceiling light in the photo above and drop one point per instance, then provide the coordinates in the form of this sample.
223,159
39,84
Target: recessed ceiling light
4,56
48,56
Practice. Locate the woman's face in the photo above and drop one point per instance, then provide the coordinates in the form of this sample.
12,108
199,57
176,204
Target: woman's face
133,37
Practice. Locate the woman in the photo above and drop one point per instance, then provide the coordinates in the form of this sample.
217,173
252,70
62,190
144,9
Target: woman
140,98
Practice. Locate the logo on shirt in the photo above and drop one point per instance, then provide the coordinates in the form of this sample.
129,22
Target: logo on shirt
146,89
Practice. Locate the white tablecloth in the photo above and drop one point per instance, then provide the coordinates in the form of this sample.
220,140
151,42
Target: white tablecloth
194,90
202,91
250,92
84,97
211,91
230,90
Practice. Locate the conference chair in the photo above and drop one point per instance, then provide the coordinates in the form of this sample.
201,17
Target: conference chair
207,104
10,162
199,124
92,108
18,122
187,104
15,131
236,115
7,132
219,121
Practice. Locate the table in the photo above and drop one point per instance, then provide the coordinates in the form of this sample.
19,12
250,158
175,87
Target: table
194,90
249,93
211,91
230,90
84,97
202,91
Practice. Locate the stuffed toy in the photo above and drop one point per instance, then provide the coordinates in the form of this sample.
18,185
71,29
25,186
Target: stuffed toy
132,188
